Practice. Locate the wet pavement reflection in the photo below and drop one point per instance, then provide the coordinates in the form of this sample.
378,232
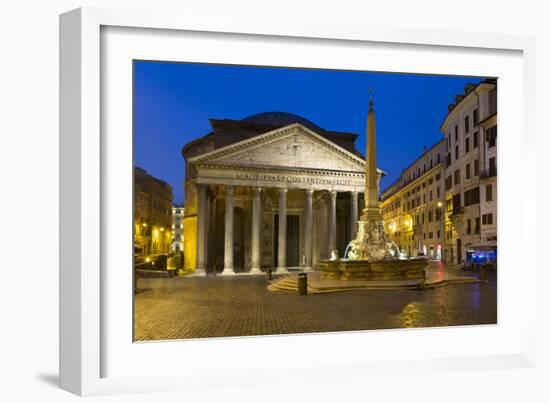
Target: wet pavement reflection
182,308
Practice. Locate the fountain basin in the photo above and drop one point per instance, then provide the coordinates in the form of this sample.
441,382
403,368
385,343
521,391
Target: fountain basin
374,270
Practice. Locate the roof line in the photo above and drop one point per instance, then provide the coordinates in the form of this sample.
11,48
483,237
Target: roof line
241,121
192,143
410,165
425,152
488,80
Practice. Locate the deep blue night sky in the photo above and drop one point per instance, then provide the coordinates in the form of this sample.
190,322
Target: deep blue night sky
173,102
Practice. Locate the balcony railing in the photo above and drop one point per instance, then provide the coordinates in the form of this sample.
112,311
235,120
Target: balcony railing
488,173
456,211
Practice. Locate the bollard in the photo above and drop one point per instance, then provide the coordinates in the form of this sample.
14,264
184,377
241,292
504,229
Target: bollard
483,273
422,284
302,283
269,274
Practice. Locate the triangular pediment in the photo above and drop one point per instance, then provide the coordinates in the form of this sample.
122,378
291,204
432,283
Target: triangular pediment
293,146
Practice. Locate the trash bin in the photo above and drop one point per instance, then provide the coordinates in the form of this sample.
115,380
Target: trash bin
302,283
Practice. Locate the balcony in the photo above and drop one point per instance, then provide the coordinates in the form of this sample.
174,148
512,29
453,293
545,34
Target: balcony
457,211
488,173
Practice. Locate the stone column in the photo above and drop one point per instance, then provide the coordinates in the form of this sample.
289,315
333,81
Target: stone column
308,229
332,222
354,208
228,240
256,227
281,255
201,231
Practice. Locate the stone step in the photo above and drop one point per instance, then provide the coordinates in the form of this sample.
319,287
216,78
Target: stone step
280,286
443,283
141,273
274,287
287,282
290,283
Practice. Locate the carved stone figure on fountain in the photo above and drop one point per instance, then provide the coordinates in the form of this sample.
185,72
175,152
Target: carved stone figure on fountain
357,248
376,241
370,243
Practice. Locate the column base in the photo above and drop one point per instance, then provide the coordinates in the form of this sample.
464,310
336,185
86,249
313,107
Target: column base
255,270
281,270
307,268
199,273
227,272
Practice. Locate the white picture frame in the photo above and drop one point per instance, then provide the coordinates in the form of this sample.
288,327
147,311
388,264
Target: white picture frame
87,343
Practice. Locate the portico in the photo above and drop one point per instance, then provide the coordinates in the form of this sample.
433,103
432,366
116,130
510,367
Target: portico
282,200
269,214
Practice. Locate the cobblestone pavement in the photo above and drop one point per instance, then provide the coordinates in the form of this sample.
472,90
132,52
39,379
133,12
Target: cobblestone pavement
195,307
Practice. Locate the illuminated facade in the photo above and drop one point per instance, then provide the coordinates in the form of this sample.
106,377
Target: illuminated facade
178,212
470,131
273,190
412,207
444,205
152,214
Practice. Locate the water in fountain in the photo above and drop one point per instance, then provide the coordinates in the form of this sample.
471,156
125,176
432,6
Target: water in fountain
346,251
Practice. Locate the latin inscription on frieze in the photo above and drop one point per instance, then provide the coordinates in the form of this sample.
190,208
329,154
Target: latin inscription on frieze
293,179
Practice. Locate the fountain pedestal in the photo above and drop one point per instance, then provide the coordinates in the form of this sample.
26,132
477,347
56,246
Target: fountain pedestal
375,270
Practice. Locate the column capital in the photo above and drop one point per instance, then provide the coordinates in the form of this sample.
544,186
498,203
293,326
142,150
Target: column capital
309,192
229,190
354,194
282,191
201,187
333,193
256,190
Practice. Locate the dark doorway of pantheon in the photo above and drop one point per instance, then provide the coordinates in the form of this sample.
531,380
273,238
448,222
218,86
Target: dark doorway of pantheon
292,240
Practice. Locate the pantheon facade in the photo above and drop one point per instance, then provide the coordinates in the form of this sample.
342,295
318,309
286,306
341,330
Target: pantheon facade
271,191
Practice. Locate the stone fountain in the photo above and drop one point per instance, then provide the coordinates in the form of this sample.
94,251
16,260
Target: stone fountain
370,256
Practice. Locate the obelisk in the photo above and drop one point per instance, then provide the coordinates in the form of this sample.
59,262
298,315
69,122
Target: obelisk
371,212
370,230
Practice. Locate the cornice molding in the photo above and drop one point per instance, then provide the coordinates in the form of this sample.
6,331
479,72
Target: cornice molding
465,103
282,169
